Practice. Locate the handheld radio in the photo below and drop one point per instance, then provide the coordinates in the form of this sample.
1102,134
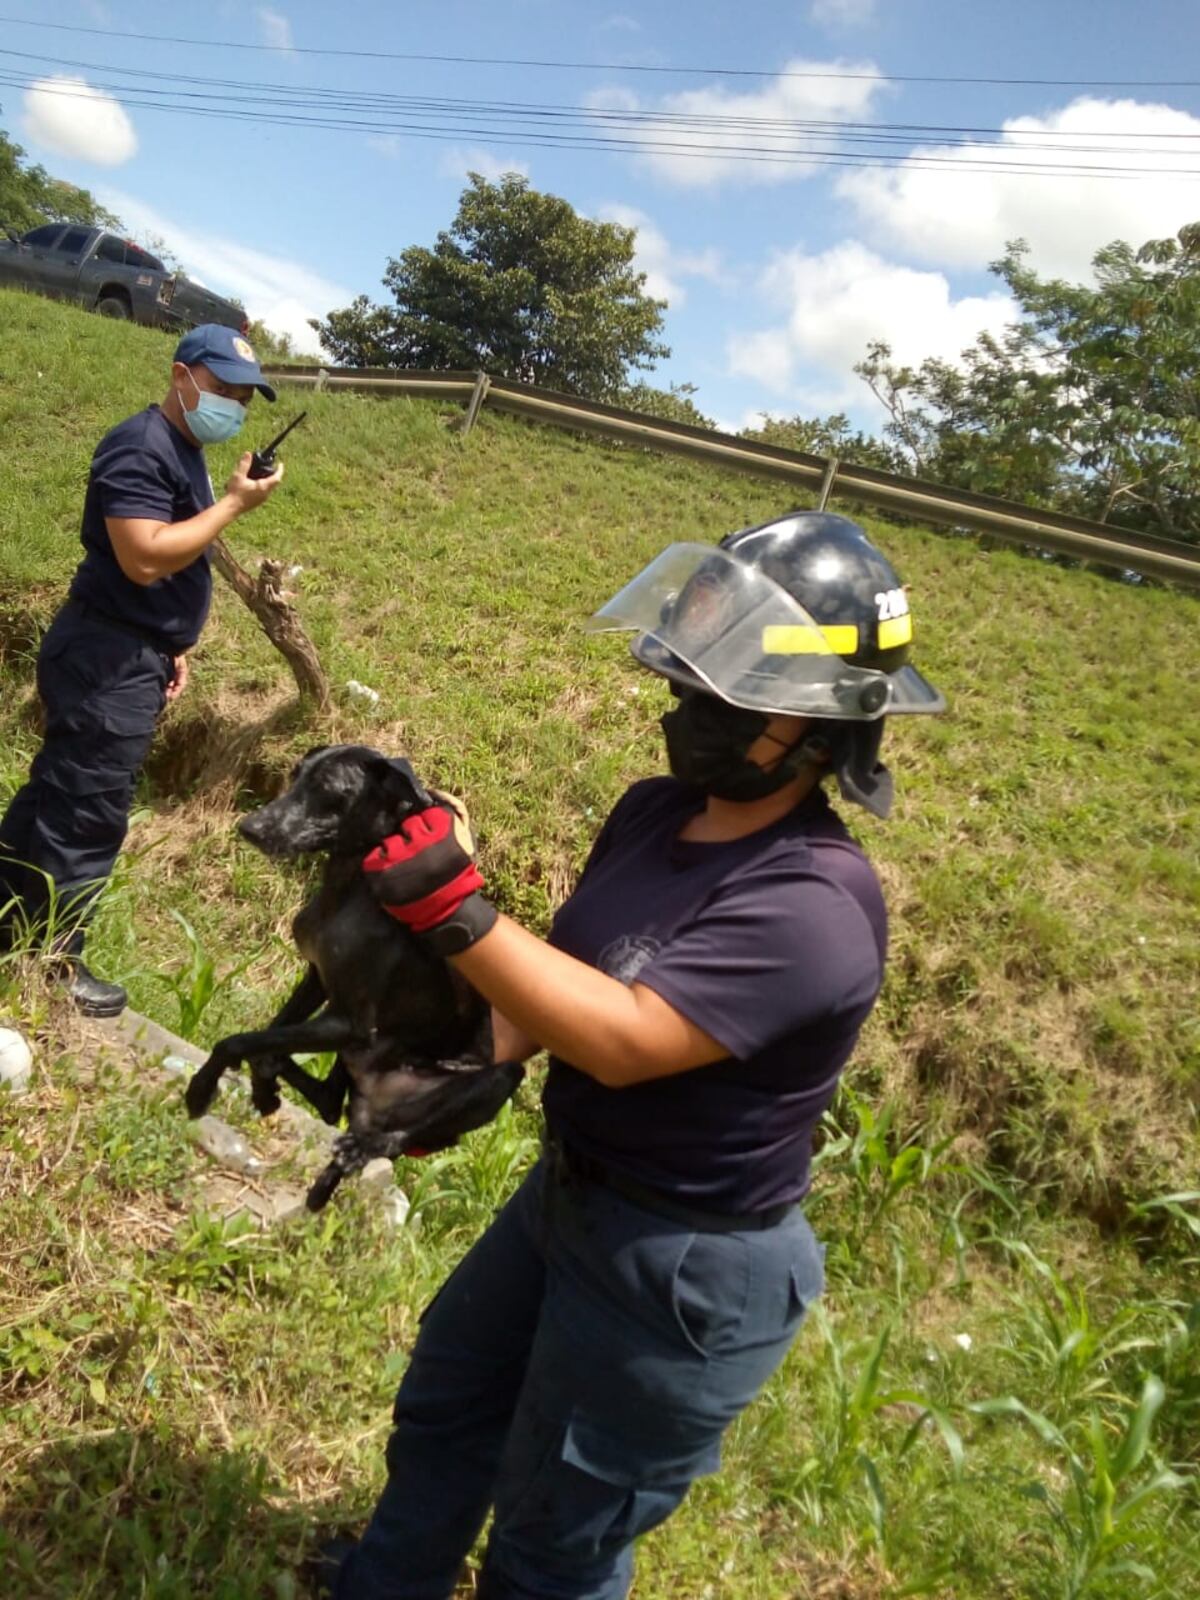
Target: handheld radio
263,463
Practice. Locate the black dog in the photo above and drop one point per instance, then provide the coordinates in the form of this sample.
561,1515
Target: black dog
414,1040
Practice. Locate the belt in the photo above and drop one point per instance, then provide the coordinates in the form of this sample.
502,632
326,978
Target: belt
566,1163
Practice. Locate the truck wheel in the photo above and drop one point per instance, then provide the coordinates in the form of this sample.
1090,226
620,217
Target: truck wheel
112,306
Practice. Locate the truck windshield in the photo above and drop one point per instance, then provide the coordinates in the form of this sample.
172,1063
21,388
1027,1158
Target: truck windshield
43,237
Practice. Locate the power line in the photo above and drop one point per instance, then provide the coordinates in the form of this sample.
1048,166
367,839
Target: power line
468,123
605,66
788,141
782,127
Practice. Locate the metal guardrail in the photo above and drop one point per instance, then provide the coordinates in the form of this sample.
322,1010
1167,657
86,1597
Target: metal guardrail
1010,520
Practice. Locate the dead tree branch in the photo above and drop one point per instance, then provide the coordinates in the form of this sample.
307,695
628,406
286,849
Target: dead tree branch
277,617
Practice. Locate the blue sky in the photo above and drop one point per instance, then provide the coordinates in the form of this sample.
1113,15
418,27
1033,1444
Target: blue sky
776,275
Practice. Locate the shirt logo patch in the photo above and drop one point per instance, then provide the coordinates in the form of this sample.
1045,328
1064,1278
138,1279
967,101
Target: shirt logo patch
243,349
625,957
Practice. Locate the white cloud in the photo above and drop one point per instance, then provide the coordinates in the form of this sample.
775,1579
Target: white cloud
385,144
275,29
842,13
654,255
458,162
620,23
701,118
67,115
275,290
958,218
835,304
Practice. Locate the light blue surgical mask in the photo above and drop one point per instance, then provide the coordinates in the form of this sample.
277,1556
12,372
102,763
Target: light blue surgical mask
214,418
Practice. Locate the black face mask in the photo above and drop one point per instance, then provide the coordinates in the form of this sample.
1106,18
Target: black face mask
707,740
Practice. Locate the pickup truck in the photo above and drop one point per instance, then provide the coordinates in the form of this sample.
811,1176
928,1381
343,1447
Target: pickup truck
110,275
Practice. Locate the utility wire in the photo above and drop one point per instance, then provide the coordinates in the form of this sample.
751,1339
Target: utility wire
472,123
812,156
540,125
603,66
710,122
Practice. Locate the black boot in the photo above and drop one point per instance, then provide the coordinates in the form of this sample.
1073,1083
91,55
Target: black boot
92,996
323,1566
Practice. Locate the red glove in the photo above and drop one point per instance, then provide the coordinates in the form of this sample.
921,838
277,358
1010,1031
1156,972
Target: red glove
425,876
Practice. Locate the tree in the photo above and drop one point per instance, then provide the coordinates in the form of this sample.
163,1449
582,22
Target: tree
674,404
1089,401
520,286
828,436
29,195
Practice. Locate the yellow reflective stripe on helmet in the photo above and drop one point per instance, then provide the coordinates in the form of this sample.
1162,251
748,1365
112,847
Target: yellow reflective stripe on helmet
895,631
793,639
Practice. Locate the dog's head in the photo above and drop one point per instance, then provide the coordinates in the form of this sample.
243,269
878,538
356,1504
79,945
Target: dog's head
342,798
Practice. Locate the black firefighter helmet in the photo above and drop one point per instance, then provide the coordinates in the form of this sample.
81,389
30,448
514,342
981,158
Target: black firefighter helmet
802,615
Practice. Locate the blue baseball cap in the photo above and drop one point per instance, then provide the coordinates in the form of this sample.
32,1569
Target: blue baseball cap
225,353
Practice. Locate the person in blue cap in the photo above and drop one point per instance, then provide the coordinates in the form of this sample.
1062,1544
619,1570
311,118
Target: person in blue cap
116,653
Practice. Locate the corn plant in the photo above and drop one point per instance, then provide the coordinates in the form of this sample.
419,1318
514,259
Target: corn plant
196,985
465,1185
1056,1337
881,1165
859,1397
1094,1522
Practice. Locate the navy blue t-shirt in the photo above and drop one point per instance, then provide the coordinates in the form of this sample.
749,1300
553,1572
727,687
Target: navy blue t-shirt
773,944
145,468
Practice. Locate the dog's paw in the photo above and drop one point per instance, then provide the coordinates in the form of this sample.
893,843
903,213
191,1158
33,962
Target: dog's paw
264,1096
321,1190
200,1093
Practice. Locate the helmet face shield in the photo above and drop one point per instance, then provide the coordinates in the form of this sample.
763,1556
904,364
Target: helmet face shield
705,618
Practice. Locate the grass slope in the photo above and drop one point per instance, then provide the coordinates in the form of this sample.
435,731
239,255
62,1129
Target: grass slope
184,1398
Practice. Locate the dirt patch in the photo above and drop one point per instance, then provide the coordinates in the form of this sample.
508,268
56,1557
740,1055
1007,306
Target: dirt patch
233,743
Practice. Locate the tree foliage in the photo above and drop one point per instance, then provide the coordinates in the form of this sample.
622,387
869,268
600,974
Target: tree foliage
521,286
829,436
1090,401
29,195
674,404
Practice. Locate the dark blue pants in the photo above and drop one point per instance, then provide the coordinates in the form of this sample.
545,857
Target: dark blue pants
103,690
575,1372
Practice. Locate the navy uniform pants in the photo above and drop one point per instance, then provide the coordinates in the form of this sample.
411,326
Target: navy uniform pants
575,1373
103,689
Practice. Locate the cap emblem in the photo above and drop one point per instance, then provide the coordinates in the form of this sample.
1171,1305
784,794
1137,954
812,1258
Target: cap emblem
243,349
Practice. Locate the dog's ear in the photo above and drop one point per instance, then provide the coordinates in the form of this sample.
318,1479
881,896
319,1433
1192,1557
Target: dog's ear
390,792
309,755
401,784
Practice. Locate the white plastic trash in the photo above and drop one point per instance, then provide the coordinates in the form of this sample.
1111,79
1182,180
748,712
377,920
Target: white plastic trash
394,1204
226,1146
16,1061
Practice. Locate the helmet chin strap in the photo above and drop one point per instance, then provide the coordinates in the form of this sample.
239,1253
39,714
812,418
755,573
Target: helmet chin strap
809,750
870,787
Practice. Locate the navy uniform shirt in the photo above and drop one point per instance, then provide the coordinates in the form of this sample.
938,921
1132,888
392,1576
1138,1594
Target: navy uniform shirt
145,468
773,944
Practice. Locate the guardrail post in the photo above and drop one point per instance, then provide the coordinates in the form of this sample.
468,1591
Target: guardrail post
322,381
478,395
831,472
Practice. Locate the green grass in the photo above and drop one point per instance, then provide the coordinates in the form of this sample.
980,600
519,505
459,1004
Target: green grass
180,1402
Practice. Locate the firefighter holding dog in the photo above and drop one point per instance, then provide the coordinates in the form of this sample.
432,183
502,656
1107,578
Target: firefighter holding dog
699,994
116,653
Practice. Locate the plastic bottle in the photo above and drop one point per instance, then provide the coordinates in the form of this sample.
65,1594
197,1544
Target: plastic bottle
226,1146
